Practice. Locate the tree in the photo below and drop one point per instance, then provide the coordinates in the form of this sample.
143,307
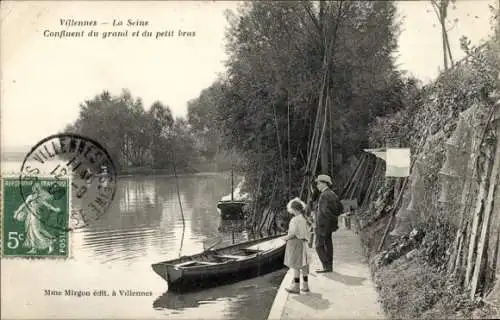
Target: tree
182,148
133,137
202,114
441,9
161,125
271,93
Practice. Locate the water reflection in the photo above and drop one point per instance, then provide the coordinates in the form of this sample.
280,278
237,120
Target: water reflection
232,231
249,294
144,226
137,193
147,214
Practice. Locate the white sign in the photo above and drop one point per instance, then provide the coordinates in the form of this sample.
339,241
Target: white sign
398,162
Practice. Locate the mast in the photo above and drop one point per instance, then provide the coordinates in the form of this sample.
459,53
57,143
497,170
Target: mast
289,156
232,177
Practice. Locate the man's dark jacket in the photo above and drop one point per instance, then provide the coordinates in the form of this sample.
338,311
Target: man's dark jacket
327,213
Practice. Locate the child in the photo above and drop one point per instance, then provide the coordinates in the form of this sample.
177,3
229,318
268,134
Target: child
296,254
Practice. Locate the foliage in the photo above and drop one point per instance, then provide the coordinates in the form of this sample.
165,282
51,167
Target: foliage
396,125
437,241
419,288
433,114
202,115
468,83
265,107
412,289
134,137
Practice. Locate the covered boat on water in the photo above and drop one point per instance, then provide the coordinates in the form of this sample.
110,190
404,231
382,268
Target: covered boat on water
231,209
221,266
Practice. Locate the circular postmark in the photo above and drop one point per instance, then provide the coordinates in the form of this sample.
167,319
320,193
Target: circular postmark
71,167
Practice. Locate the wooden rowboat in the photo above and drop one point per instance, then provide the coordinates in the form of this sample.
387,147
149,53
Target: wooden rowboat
222,266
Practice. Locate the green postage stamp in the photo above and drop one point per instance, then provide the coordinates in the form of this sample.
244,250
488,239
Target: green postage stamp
35,217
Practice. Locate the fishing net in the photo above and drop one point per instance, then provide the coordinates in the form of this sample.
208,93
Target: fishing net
438,177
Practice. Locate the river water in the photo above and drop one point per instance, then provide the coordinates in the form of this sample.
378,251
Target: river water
143,226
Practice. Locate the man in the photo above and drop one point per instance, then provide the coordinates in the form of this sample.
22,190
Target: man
328,209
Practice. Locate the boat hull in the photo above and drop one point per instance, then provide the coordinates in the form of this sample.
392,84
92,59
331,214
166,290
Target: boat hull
201,277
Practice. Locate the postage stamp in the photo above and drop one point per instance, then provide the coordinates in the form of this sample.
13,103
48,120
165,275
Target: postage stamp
35,226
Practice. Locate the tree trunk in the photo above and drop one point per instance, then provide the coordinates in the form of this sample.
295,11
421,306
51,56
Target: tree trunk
498,20
442,18
445,54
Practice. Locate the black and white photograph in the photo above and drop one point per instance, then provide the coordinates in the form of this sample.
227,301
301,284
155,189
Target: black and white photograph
264,160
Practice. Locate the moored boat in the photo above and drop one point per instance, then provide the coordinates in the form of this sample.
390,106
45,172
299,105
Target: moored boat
226,265
231,209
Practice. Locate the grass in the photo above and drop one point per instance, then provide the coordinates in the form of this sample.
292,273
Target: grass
411,289
414,288
486,312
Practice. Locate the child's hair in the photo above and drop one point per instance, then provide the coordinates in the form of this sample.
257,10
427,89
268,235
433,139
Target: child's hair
296,206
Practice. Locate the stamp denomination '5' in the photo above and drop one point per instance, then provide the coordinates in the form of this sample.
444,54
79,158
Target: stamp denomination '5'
35,226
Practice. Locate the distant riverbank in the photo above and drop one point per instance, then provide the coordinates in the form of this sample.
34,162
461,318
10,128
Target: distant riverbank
145,171
167,173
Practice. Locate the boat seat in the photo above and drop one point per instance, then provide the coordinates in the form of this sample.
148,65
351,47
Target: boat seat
231,256
251,250
185,263
190,262
206,263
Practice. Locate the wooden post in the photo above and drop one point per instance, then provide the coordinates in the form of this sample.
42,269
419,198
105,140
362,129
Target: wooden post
367,179
459,255
371,185
396,203
257,213
475,222
325,146
393,211
263,219
349,181
232,185
356,181
361,181
465,196
487,211
347,190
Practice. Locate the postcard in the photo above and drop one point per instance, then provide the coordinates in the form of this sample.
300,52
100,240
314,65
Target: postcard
238,159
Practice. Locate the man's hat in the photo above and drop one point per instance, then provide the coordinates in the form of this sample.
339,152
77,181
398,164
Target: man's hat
324,178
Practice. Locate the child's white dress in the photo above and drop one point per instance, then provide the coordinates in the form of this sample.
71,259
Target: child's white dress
296,253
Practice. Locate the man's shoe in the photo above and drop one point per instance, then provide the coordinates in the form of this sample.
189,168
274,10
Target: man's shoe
324,271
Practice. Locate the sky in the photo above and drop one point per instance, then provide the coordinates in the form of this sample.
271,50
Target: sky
44,80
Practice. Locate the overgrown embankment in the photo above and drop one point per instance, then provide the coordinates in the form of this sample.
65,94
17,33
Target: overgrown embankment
445,126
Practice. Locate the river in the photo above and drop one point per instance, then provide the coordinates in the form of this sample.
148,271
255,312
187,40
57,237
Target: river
143,226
